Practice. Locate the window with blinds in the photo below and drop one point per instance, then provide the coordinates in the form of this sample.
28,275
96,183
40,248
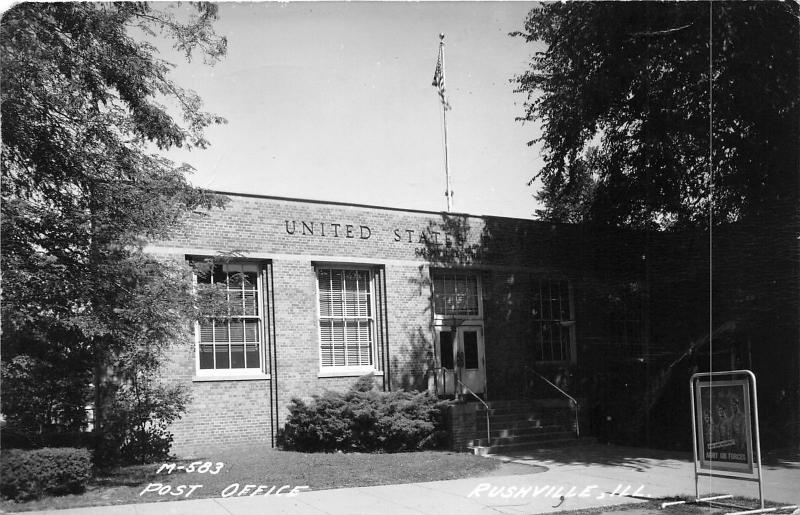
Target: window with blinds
346,318
232,342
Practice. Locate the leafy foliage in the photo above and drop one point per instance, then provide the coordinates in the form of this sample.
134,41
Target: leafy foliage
364,419
137,430
622,93
86,312
36,403
54,471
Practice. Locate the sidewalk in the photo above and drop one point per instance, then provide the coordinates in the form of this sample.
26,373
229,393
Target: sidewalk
586,476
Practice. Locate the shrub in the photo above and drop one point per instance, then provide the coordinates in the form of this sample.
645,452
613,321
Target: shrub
15,437
366,420
85,439
53,471
137,426
44,386
12,438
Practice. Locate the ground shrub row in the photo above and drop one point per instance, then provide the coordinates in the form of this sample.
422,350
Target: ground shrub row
29,474
364,420
13,437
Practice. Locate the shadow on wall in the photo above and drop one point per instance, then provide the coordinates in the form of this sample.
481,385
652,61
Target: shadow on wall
452,242
448,243
641,312
418,357
596,264
517,246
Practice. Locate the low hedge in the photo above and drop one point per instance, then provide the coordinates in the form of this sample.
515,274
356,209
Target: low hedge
364,420
29,474
11,438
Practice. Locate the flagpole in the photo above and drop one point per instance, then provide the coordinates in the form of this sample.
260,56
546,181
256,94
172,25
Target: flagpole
449,192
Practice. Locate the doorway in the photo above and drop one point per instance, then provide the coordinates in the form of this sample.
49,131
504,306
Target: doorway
461,356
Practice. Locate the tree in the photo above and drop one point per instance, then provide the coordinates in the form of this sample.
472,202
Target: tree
86,312
639,102
631,79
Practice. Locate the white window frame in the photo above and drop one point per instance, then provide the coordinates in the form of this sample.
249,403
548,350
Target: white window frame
237,373
440,319
347,371
569,324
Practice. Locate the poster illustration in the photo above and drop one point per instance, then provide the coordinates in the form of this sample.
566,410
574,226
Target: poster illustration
724,426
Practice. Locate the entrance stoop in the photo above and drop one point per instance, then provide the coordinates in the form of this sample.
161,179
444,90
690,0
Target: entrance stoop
517,425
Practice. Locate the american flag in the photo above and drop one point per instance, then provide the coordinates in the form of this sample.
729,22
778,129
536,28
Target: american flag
438,80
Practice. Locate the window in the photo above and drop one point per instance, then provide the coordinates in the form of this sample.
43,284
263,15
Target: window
446,349
232,344
455,294
553,323
625,323
470,350
346,319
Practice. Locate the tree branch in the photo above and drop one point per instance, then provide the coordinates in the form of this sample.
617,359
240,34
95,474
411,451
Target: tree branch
660,32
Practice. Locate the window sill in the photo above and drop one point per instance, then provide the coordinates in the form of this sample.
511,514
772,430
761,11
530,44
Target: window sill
441,319
348,373
243,377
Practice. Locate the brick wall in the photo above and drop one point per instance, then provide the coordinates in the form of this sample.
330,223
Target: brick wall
293,236
461,423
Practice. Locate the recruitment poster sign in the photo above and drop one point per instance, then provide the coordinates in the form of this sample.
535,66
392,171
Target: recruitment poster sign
724,425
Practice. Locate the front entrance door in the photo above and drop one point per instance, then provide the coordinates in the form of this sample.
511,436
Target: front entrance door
461,357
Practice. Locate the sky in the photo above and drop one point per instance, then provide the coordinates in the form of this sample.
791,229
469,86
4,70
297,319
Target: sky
333,101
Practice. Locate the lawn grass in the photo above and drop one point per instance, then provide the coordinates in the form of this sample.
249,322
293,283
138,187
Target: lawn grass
270,467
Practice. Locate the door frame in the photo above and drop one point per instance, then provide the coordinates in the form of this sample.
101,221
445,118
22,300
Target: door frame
448,376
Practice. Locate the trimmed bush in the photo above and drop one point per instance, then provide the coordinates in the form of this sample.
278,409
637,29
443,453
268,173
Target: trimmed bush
52,471
137,425
364,420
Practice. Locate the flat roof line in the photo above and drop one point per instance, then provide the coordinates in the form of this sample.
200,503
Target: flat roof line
367,206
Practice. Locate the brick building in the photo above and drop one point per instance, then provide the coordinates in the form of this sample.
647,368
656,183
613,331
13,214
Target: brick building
326,292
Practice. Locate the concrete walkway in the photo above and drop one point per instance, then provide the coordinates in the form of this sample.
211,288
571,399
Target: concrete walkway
586,476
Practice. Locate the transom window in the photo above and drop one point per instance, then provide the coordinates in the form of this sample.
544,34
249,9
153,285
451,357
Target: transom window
455,293
346,318
232,342
553,323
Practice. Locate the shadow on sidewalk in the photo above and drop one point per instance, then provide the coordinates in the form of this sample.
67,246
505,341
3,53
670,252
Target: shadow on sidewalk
599,454
639,458
782,458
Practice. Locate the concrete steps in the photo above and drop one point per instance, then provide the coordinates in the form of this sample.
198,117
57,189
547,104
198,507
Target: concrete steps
532,447
522,425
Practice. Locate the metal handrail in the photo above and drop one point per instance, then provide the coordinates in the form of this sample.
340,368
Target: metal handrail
436,382
565,394
488,430
444,386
